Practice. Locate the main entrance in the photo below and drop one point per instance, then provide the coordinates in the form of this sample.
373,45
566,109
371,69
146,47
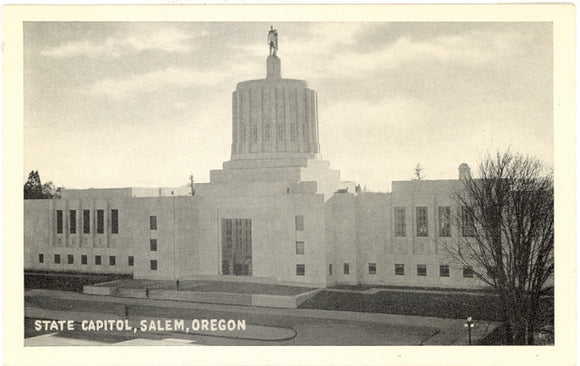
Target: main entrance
237,247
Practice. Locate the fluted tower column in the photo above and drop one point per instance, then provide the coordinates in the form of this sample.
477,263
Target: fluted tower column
274,117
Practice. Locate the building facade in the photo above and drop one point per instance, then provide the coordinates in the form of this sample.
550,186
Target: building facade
275,212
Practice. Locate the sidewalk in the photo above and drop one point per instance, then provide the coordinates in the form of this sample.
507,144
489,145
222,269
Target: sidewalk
450,331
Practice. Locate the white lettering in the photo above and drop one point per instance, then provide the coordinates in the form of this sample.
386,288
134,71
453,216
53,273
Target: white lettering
213,325
179,324
242,324
204,324
231,324
222,324
195,324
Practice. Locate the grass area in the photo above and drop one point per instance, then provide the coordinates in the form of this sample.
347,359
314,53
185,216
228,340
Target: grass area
443,305
216,286
364,287
66,281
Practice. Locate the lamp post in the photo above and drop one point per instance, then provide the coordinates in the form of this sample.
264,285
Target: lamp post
469,324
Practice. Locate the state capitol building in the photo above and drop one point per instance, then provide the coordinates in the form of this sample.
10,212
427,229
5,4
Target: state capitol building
275,213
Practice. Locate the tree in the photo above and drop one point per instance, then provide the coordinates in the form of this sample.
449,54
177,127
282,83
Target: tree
34,189
418,172
507,221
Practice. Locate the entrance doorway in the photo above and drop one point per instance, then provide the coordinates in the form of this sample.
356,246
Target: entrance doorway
237,247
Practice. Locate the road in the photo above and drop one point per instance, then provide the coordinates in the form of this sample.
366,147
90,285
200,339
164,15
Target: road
266,326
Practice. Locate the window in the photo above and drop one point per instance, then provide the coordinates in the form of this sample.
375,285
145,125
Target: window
112,260
300,269
86,221
372,268
73,221
59,221
467,227
299,247
444,270
346,268
131,261
400,225
280,132
41,258
421,270
57,258
330,269
100,221
467,272
153,264
153,245
71,259
153,222
84,259
399,269
422,221
98,260
299,223
255,133
266,133
114,221
444,221
292,131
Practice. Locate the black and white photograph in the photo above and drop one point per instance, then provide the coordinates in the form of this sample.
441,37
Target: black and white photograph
289,180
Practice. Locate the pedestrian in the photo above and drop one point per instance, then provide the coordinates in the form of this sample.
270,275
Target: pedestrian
147,292
177,285
127,311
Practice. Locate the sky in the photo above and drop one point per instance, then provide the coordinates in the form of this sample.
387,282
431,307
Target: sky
123,104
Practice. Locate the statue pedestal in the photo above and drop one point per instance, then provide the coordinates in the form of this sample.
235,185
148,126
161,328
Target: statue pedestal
273,67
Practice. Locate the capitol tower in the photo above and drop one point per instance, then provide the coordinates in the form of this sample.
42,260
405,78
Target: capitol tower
275,139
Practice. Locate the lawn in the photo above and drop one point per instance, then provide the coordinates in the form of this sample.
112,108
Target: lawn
440,305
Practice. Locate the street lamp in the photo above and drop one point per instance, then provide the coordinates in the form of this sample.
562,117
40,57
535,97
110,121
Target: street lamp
469,324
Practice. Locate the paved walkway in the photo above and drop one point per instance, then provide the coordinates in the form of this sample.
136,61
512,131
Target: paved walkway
451,331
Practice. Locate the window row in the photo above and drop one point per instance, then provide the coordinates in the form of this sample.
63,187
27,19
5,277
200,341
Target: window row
422,270
86,221
444,221
85,259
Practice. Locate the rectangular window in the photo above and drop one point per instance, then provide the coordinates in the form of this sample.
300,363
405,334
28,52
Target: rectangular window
84,259
100,221
73,221
59,221
422,221
399,269
153,245
131,261
114,221
71,259
444,270
266,133
346,268
255,133
330,269
467,227
467,272
86,221
444,221
280,132
421,270
299,247
300,269
153,264
153,222
112,260
400,224
98,260
57,258
372,268
292,131
299,223
41,258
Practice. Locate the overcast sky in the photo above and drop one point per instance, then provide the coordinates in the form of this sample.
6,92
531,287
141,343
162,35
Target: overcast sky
148,104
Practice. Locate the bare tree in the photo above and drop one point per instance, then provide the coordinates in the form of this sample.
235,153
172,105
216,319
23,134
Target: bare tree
506,218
